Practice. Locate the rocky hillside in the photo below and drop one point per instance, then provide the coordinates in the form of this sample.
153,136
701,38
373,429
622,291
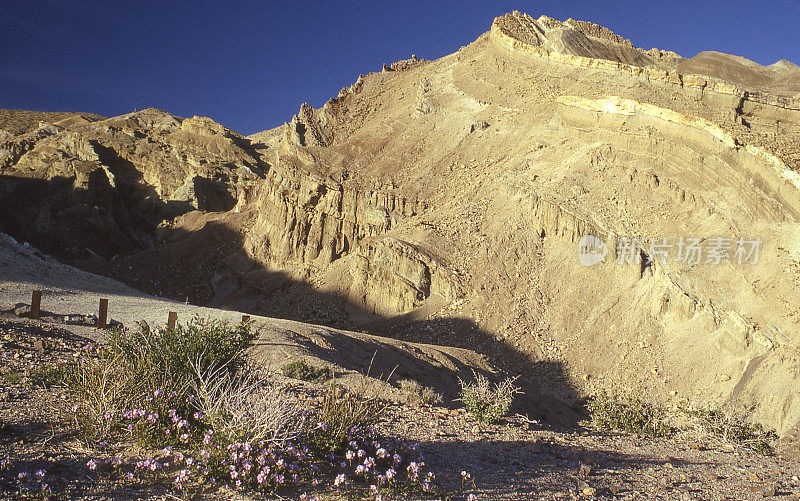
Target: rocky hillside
21,121
444,202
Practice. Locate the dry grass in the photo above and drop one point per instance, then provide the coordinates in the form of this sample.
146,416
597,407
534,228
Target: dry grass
425,394
102,391
247,407
344,411
720,429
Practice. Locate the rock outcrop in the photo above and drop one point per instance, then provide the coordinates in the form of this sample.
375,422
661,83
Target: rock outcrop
102,188
391,276
306,222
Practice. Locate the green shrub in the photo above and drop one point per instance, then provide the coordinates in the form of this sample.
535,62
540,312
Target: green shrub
300,369
14,376
207,343
341,413
487,402
153,373
630,414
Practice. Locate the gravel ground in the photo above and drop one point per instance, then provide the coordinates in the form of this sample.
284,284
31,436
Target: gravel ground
515,459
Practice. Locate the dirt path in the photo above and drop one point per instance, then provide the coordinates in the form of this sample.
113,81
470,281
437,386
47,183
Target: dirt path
70,291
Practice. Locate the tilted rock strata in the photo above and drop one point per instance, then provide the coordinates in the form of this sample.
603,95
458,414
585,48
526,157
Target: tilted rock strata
696,85
774,175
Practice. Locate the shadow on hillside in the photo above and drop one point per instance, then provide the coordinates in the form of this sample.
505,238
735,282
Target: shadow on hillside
210,267
35,331
32,430
71,223
441,369
100,212
514,469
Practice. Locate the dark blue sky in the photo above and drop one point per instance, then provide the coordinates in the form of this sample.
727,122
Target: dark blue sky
249,65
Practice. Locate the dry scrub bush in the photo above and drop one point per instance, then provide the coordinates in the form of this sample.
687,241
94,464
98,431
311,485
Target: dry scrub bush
246,407
426,394
717,428
485,401
698,427
343,411
630,414
302,370
50,375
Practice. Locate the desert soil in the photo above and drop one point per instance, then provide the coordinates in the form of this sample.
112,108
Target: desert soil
515,459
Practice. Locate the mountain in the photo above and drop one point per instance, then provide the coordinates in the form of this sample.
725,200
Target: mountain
444,202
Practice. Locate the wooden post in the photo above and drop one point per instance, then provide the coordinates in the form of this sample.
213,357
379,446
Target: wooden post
102,317
172,319
245,319
36,303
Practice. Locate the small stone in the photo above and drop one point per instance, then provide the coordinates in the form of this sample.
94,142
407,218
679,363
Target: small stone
38,345
584,470
769,491
22,310
616,488
589,491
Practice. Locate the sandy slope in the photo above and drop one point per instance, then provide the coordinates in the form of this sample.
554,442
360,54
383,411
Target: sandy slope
69,291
